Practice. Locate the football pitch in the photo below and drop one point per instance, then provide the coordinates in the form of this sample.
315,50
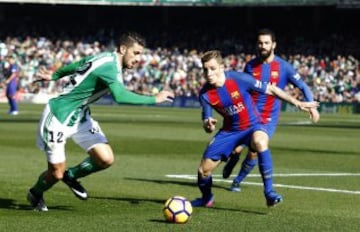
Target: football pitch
158,149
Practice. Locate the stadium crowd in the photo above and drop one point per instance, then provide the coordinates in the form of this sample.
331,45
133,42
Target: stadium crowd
334,77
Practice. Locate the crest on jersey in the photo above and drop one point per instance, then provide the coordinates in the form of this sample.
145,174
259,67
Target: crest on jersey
235,94
274,74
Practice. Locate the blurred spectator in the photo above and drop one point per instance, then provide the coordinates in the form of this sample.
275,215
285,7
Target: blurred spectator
332,78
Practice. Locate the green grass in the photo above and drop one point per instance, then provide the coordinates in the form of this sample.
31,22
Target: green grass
152,142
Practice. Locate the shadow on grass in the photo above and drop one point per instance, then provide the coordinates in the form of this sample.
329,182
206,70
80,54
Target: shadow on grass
139,200
182,183
135,201
11,204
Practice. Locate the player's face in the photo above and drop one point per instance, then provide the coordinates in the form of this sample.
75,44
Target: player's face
132,55
265,46
213,71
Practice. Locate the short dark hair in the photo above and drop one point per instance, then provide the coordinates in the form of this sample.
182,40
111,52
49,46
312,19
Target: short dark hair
266,31
129,38
212,54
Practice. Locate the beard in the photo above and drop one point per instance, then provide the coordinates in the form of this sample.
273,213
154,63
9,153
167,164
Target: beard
264,54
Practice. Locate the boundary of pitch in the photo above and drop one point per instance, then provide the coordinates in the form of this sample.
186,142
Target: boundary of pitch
218,178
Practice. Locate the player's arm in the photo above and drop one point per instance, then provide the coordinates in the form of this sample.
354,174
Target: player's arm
295,79
122,95
69,69
47,75
279,93
208,121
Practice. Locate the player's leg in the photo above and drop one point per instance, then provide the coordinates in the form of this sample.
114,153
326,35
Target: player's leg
91,138
259,143
233,159
205,183
11,96
45,181
100,157
219,148
246,167
51,138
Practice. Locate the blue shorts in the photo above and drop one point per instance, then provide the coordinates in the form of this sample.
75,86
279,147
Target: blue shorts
224,142
270,127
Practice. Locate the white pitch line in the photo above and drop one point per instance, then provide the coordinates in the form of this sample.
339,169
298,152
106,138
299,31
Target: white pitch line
193,177
303,174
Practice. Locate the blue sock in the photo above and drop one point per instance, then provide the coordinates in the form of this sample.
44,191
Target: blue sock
265,166
246,167
205,186
13,104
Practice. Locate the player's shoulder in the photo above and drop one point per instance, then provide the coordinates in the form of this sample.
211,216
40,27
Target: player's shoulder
254,61
104,59
282,61
102,55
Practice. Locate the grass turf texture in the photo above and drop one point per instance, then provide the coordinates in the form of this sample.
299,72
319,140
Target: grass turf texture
151,142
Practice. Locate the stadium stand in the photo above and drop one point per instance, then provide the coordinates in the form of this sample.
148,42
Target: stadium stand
318,41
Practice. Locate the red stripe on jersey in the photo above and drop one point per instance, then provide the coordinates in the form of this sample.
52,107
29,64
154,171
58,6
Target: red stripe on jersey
270,100
216,103
237,100
213,97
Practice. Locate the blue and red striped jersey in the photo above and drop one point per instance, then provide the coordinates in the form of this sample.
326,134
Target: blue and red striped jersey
232,101
277,72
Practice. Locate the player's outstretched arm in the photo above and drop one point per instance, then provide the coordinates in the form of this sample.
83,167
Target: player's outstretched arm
164,96
43,75
304,106
314,115
122,95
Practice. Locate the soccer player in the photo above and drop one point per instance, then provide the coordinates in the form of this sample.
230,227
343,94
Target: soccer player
272,69
229,94
11,83
68,115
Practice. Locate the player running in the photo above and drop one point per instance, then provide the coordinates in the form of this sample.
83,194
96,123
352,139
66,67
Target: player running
68,115
267,67
229,94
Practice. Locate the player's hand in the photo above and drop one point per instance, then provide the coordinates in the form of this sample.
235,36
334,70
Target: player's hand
209,124
164,96
307,106
43,75
314,115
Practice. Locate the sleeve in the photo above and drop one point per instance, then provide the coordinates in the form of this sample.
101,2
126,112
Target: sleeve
122,95
295,79
252,84
206,108
69,69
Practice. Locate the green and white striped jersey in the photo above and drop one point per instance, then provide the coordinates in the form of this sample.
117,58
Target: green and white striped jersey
90,79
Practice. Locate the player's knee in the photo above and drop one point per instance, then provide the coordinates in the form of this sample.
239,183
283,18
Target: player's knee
106,161
252,155
204,172
237,150
260,144
57,174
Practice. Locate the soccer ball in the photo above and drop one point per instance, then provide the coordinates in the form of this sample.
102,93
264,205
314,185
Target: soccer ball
177,209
